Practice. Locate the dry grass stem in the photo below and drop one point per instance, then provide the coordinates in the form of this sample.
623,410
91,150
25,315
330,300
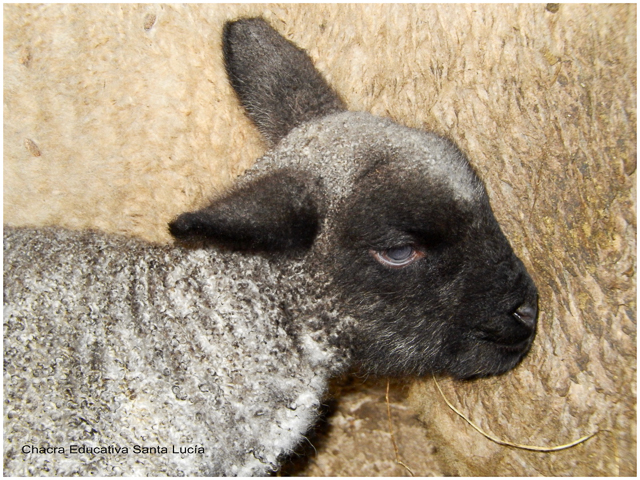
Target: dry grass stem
393,439
509,444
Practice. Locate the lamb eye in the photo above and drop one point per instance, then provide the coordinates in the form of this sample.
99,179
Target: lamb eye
397,257
400,254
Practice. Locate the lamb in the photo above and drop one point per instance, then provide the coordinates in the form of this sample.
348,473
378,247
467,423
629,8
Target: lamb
354,243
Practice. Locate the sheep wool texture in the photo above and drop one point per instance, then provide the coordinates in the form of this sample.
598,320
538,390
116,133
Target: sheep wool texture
163,348
118,118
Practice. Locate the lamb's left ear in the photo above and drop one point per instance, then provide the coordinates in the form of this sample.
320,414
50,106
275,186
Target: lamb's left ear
276,81
276,212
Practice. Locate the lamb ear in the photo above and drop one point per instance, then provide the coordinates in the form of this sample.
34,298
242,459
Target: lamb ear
276,81
277,212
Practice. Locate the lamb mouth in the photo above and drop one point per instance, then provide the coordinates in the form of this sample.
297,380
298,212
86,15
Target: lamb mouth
518,348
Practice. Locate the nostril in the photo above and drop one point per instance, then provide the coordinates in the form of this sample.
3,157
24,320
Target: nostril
527,315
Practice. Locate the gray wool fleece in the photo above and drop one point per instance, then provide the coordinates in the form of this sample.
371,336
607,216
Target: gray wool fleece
125,343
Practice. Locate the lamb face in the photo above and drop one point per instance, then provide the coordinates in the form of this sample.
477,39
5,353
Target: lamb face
410,243
425,269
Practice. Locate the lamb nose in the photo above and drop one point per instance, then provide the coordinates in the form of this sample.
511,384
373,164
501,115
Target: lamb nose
527,315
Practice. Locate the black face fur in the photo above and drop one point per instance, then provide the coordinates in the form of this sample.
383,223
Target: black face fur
464,304
453,309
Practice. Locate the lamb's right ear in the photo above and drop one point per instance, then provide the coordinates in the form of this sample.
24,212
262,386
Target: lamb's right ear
276,212
276,81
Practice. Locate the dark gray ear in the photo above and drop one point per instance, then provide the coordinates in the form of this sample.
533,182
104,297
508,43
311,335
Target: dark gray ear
276,81
277,212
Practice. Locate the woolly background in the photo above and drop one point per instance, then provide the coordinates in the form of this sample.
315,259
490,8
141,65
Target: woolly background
119,117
